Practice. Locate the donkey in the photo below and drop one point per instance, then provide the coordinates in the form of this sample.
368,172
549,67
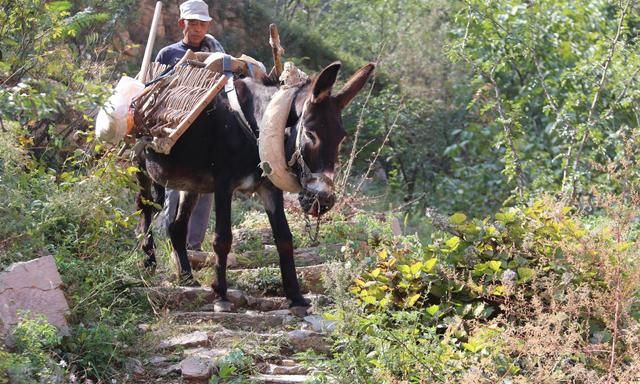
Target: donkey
216,155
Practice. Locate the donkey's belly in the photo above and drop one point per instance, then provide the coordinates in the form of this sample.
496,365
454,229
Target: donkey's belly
181,177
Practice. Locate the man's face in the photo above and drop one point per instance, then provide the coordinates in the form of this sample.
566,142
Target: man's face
194,31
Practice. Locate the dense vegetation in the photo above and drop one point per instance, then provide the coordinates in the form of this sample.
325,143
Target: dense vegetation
503,134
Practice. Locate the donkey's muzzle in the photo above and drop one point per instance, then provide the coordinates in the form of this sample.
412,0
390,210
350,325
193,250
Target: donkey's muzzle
317,196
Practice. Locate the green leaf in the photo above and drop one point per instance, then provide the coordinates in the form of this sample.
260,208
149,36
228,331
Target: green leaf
498,291
369,300
473,346
429,265
494,265
525,274
458,218
433,309
506,217
453,243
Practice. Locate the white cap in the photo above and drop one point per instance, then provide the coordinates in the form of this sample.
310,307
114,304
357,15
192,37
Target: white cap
194,10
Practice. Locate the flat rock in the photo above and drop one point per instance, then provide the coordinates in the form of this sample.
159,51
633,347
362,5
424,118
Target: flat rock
169,369
250,320
196,369
237,297
281,379
157,360
266,303
33,286
195,339
304,340
179,297
317,323
222,306
206,353
201,259
294,369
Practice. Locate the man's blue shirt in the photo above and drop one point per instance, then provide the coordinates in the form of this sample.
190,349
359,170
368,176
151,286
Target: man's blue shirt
171,54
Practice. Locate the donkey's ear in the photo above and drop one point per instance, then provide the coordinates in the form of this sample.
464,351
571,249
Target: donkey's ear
354,85
325,80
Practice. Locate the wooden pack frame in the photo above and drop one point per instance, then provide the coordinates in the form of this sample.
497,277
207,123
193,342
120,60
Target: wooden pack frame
167,108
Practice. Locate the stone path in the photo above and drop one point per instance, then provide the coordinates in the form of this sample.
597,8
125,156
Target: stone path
191,342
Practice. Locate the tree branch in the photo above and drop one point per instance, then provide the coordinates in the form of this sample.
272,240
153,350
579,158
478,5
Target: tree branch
594,102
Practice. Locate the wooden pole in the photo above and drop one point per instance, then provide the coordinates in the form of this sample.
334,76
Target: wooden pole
276,49
146,60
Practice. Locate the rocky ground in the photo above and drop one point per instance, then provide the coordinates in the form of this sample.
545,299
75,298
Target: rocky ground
260,341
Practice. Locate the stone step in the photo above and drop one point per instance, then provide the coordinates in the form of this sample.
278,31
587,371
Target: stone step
290,369
268,280
249,321
266,258
202,298
202,341
280,379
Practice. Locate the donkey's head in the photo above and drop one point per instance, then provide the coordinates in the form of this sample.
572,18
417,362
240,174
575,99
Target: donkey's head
320,133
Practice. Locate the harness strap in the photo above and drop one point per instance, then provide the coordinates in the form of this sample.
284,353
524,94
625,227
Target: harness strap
234,103
297,157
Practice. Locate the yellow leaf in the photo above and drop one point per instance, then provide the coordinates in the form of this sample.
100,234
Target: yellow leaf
405,269
453,243
429,264
415,268
375,273
458,218
494,265
382,255
498,291
411,300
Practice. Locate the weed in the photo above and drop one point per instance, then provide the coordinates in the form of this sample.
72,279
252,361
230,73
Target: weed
234,368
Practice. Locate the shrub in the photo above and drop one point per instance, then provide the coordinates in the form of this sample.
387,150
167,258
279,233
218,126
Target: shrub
532,295
36,353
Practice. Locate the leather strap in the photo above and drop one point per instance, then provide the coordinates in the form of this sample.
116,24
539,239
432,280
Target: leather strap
234,103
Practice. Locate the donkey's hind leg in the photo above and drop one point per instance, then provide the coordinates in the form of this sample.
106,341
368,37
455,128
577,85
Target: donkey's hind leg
222,244
144,203
178,228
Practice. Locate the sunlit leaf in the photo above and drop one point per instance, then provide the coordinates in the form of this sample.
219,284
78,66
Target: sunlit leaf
458,218
429,265
432,309
494,265
453,243
411,300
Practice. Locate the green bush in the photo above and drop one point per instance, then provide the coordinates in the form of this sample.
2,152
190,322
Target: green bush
36,353
520,296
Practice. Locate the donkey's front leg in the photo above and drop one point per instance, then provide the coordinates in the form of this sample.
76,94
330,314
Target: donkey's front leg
222,243
178,228
274,206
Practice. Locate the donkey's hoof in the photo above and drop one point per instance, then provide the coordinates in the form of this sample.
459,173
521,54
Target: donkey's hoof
187,280
299,306
222,306
299,311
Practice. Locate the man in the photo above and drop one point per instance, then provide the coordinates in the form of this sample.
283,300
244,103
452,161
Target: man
194,22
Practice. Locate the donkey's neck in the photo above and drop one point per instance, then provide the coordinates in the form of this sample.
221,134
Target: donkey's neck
261,95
